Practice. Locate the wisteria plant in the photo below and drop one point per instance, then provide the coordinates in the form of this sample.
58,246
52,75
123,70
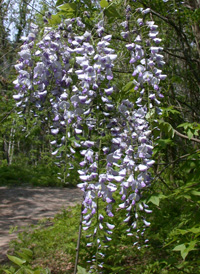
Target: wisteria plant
72,72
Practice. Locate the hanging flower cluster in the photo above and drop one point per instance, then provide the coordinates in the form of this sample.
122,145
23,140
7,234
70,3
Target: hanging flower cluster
146,58
131,157
94,75
70,75
23,83
133,145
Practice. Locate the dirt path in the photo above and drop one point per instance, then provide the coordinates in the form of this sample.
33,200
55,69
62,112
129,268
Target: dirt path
23,206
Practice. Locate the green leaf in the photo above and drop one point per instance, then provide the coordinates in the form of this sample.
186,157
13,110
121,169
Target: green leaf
7,271
69,7
188,197
184,125
55,19
59,2
155,199
104,4
16,260
185,250
128,86
25,254
189,134
184,253
191,247
82,270
181,231
67,10
179,247
163,143
196,193
112,13
194,230
27,251
169,110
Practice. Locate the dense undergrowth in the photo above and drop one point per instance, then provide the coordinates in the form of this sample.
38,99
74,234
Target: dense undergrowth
173,245
44,174
16,175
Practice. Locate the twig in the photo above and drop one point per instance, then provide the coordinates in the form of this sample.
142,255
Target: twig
163,181
181,157
33,8
179,56
7,114
186,137
175,55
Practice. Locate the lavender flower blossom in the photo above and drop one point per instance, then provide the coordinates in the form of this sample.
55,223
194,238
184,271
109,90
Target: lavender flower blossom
62,56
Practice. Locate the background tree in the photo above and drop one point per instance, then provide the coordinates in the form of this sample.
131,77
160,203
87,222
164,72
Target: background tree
21,139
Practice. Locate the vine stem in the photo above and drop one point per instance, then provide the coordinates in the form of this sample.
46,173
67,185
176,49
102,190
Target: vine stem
79,240
186,137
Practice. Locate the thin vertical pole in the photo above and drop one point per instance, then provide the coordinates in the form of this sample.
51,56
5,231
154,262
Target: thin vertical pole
79,240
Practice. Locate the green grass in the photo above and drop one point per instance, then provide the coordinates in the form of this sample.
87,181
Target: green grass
53,241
